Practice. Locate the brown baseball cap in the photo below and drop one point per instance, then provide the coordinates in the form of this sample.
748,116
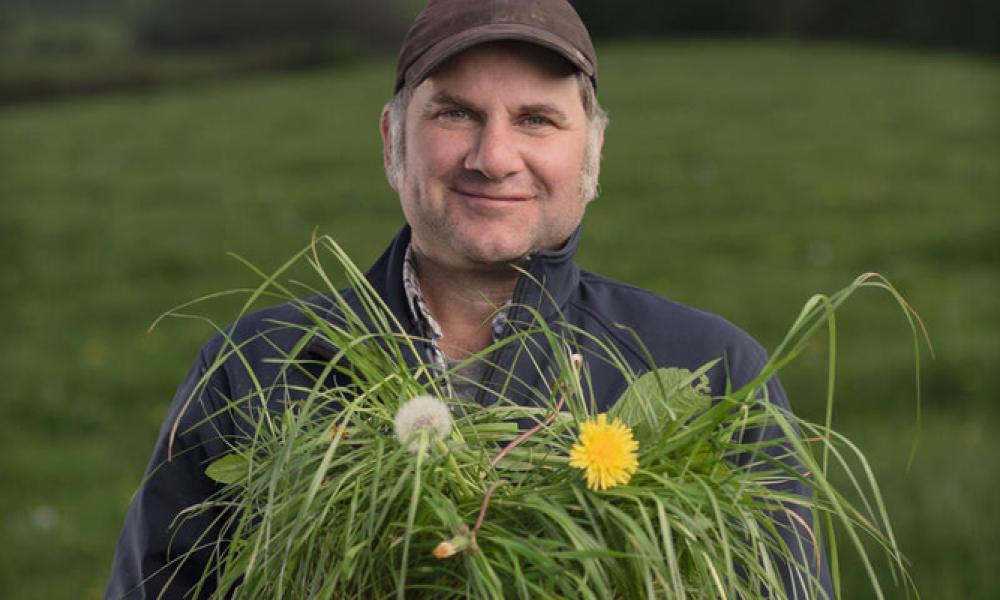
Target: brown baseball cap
446,27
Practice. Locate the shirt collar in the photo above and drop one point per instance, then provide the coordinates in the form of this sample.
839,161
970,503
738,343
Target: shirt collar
421,314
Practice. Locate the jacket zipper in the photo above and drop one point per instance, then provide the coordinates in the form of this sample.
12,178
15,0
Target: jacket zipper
491,368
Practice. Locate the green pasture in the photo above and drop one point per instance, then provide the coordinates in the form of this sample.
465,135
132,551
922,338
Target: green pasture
738,177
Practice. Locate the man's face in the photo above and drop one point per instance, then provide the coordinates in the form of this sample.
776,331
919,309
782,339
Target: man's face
495,144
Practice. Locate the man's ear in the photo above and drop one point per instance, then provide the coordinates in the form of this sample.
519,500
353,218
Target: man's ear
383,127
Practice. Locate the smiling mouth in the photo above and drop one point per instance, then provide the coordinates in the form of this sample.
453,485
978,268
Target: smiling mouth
493,197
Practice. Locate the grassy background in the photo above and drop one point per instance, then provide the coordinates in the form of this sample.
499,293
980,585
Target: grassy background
738,177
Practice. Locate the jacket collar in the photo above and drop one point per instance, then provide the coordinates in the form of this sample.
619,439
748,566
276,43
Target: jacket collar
552,276
548,281
386,276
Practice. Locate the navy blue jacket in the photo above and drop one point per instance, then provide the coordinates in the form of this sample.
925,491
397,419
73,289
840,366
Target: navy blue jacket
673,334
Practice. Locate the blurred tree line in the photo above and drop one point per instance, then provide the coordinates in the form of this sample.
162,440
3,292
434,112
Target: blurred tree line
48,47
963,24
972,25
360,25
960,24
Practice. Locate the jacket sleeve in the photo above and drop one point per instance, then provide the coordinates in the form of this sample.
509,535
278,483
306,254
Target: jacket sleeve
152,560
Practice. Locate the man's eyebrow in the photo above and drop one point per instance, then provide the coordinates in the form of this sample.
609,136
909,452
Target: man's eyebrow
545,109
444,99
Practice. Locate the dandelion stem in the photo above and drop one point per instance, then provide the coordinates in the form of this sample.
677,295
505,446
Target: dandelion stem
411,517
485,505
527,434
575,361
453,465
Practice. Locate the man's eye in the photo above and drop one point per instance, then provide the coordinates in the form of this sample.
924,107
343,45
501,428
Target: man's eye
536,121
455,114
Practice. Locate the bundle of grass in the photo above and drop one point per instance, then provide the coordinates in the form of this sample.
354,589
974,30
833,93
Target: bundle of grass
374,483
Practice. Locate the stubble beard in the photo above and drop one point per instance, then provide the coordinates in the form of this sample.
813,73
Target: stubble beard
444,229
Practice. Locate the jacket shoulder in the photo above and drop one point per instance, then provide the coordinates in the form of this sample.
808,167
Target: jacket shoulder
277,327
673,333
251,353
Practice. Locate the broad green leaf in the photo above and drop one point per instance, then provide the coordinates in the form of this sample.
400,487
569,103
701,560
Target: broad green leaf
228,469
661,396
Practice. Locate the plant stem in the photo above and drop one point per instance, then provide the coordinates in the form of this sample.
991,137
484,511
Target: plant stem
411,517
453,465
484,506
527,434
575,362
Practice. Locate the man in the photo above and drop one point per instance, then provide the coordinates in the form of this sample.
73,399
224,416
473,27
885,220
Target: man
492,142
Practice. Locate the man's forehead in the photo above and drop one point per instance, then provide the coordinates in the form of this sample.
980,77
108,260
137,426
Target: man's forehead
517,85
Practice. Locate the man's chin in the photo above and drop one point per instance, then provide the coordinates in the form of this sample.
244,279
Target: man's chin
494,254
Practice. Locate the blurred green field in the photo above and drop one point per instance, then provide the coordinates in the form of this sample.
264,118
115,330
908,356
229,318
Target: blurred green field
738,177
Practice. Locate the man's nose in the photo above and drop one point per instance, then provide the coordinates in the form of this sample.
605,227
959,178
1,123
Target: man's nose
495,153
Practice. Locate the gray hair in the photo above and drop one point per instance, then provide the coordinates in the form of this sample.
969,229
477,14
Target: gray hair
597,122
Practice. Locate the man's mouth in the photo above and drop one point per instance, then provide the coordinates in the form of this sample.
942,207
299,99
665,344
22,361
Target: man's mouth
492,196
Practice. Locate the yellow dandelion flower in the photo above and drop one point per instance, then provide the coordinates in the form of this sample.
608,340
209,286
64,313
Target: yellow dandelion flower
606,452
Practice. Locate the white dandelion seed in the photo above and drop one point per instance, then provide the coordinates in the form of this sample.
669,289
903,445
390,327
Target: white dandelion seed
421,413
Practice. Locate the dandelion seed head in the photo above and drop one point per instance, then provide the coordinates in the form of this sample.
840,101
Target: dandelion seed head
421,413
